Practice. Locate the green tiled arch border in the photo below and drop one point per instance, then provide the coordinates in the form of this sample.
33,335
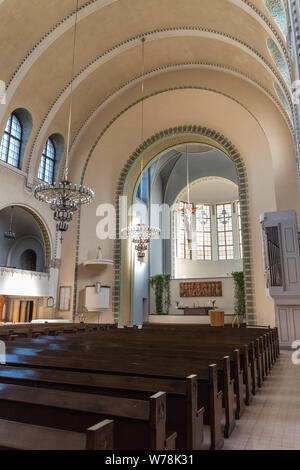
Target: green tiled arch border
230,150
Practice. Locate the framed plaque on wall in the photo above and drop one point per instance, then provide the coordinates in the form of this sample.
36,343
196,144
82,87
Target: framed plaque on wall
201,289
65,298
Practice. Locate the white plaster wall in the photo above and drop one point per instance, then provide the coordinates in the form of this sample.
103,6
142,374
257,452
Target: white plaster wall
202,269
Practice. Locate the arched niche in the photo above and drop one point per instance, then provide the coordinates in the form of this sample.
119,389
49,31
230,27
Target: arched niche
31,233
148,152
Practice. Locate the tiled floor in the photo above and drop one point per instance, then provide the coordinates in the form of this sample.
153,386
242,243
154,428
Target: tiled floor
272,421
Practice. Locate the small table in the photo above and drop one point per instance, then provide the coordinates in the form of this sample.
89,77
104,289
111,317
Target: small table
196,310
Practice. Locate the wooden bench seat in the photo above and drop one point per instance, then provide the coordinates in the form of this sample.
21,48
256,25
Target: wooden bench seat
181,394
209,394
138,424
22,436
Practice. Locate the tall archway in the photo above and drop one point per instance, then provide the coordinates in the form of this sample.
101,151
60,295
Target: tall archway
148,151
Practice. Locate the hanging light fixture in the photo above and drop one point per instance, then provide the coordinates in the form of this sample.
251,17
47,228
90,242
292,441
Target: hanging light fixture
10,235
65,197
141,234
185,207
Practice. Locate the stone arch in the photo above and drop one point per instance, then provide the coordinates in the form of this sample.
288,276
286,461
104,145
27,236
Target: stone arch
220,142
49,248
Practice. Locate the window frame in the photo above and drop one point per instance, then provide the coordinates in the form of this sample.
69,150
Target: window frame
202,247
46,157
12,137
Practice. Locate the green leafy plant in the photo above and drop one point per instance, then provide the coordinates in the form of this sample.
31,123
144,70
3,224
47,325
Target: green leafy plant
239,293
161,286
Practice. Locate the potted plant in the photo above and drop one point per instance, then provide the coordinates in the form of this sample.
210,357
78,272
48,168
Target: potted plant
161,286
239,293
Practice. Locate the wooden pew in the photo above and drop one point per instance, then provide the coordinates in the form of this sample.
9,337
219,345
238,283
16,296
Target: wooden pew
209,394
21,436
181,394
226,375
138,424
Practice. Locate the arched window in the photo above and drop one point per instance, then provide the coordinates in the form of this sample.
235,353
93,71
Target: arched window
213,232
10,148
47,164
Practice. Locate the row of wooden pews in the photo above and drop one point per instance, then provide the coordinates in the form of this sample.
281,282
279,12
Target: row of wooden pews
150,388
8,332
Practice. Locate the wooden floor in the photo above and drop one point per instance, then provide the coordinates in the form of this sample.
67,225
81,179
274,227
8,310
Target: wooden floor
272,422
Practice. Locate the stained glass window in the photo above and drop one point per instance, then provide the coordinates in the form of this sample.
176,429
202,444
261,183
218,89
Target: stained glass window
225,231
279,60
203,229
10,148
277,11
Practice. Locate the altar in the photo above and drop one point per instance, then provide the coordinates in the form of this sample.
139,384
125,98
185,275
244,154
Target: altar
195,310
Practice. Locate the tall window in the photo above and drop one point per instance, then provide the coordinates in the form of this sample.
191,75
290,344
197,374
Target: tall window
47,165
143,191
239,221
203,229
225,231
184,233
10,148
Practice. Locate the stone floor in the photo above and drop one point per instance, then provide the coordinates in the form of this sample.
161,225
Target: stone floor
272,421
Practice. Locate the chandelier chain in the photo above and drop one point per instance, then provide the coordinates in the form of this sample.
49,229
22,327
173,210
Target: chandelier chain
71,94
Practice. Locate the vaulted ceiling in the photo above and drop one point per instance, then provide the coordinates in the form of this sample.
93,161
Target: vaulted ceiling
184,40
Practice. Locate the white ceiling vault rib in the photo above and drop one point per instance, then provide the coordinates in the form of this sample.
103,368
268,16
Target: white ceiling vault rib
131,43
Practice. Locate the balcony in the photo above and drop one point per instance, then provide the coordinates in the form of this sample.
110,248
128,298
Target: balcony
17,282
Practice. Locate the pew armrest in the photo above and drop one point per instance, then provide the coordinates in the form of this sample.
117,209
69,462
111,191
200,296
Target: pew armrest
170,442
201,411
101,436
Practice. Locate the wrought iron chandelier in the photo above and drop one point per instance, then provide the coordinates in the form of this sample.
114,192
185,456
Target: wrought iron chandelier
141,234
10,235
65,197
